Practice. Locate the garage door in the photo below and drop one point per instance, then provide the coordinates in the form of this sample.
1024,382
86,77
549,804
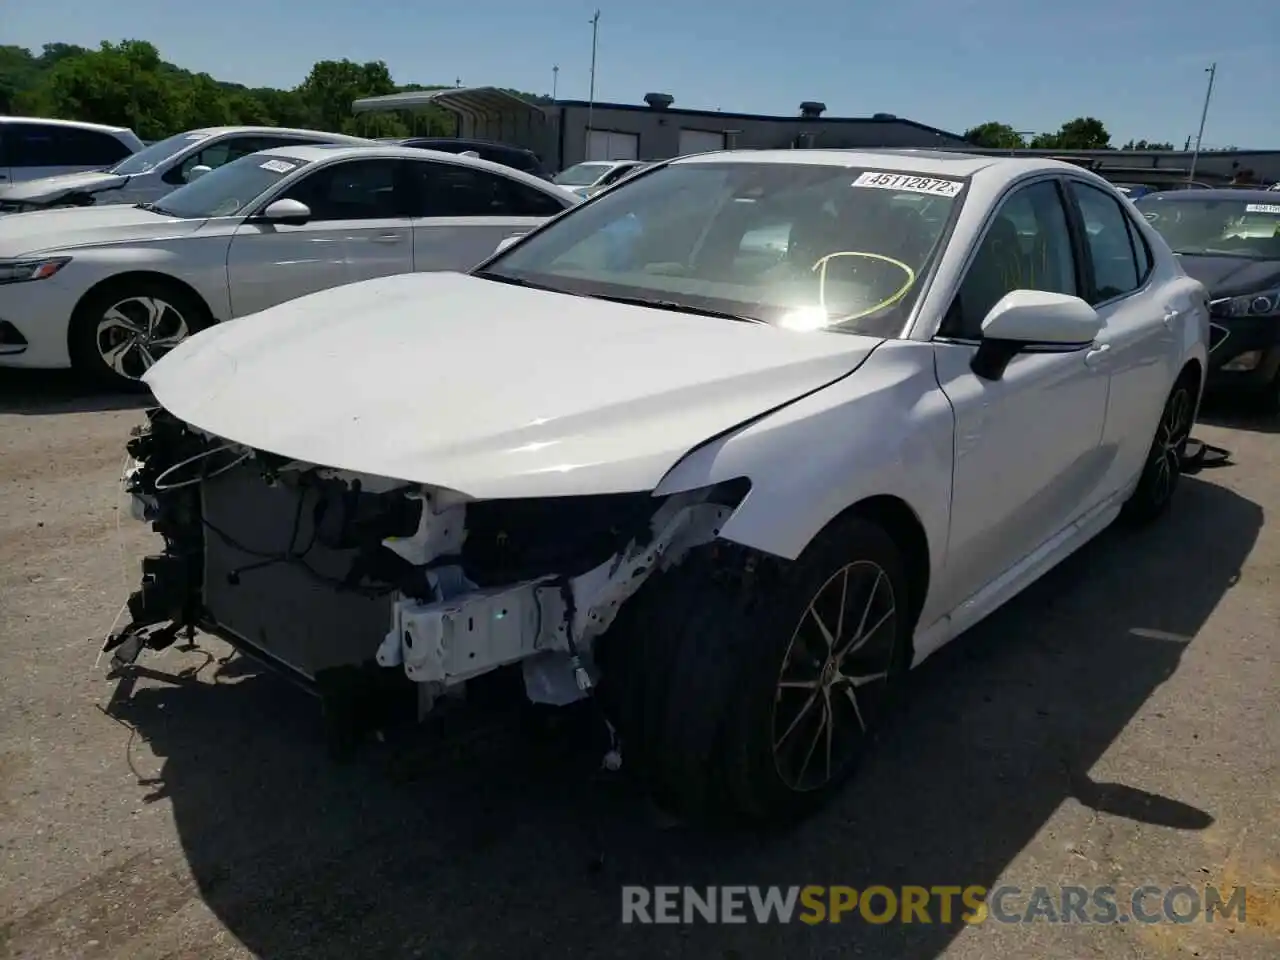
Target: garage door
611,145
700,141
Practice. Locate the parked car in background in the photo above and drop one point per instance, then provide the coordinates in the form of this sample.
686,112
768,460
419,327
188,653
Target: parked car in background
1229,240
152,172
36,147
594,175
735,498
109,289
516,157
615,178
1135,190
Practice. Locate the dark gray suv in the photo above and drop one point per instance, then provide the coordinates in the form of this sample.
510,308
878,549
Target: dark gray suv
505,154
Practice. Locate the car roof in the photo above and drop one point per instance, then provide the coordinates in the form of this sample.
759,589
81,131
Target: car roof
931,162
462,141
276,131
1257,195
77,124
315,152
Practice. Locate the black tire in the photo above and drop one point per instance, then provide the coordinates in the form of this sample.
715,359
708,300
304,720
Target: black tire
1150,500
691,673
175,309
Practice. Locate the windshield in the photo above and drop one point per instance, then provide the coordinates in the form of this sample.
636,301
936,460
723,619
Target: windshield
149,157
228,190
805,246
582,174
1229,227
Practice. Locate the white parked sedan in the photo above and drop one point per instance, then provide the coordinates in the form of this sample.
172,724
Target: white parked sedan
591,176
157,169
733,487
109,289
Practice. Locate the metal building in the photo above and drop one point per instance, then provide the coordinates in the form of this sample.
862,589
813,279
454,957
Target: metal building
568,131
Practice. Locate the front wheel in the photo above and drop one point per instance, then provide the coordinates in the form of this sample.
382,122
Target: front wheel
749,686
119,331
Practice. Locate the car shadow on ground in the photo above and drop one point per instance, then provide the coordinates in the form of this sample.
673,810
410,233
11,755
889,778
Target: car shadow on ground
448,849
45,392
1237,416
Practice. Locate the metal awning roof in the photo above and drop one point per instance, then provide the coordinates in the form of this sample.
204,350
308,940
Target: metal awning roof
471,102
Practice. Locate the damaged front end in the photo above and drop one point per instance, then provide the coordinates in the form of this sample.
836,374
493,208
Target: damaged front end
340,580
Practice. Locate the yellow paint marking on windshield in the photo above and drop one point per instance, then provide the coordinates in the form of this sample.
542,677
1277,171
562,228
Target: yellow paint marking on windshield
821,267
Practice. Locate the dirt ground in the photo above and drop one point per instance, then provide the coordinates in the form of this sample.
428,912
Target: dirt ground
1117,724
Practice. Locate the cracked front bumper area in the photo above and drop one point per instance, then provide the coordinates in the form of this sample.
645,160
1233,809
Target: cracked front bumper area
338,579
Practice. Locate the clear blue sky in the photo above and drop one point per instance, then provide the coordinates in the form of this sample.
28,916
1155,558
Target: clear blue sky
1138,66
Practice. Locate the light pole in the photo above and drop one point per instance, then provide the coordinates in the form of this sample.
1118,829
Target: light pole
555,80
1212,70
591,96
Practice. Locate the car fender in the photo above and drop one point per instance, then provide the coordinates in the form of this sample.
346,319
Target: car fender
885,430
197,262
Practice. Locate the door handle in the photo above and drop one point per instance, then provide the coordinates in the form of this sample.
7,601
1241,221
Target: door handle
387,238
1170,315
1095,356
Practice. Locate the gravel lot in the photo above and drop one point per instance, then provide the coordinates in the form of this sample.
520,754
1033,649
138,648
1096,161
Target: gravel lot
1115,725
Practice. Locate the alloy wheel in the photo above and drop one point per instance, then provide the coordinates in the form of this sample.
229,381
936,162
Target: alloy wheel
834,676
1171,438
136,332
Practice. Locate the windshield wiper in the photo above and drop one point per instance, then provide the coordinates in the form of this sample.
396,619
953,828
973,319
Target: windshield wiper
675,307
514,281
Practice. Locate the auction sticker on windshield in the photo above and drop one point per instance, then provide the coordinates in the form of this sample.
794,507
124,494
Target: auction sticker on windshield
1262,208
911,184
277,166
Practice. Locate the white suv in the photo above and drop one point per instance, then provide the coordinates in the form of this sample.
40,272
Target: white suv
159,168
34,147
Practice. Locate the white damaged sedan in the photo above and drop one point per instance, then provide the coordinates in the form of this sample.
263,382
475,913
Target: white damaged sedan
731,449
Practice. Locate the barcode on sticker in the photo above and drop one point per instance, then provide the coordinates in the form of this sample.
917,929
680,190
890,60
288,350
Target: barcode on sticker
900,181
277,166
1262,208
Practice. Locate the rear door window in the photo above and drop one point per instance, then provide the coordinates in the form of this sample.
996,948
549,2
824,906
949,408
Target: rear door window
1109,239
454,190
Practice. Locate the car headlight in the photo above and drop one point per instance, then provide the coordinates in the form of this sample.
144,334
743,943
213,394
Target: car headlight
1263,304
40,268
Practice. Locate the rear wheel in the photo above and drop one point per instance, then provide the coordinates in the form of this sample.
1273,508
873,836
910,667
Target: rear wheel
742,684
120,330
1163,469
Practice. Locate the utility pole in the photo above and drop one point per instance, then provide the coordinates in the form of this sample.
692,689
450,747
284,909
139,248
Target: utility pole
1212,70
591,96
555,80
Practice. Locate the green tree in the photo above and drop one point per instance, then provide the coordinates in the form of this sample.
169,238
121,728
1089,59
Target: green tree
1147,145
118,83
1082,133
128,83
332,85
997,136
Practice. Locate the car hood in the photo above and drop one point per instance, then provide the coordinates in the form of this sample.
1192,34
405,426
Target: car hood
45,189
486,388
70,227
1232,276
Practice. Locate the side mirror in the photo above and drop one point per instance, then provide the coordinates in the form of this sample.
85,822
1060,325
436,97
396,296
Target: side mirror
286,211
198,171
506,242
1026,319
